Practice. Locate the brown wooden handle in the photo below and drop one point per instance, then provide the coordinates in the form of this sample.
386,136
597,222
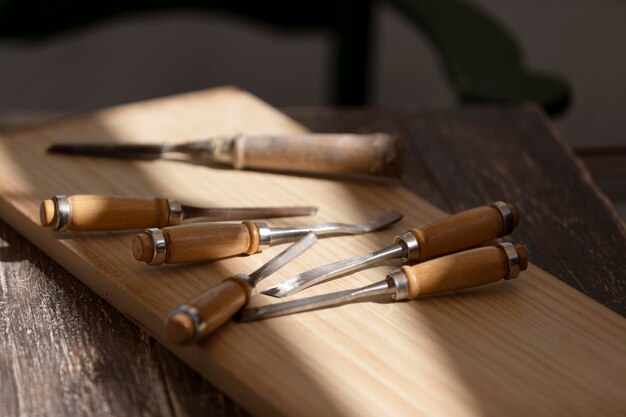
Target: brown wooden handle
200,242
366,154
463,230
466,269
206,312
95,212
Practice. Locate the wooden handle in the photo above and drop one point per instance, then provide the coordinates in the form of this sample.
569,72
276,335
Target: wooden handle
95,212
467,269
200,242
463,230
367,154
211,310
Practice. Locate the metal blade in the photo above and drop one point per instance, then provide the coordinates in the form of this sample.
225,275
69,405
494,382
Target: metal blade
384,220
316,302
306,279
224,214
110,150
284,257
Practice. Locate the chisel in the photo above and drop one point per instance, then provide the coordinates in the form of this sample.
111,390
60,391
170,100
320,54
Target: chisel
210,241
357,154
470,268
96,213
206,312
460,231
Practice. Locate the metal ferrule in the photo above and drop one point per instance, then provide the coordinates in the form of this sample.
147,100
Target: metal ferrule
176,212
398,280
507,216
410,244
513,258
159,246
63,211
194,314
247,279
265,236
222,149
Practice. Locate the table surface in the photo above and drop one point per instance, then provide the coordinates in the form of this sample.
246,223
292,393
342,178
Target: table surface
63,335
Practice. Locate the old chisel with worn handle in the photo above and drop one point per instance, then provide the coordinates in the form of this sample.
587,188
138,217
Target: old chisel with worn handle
210,241
460,231
96,212
470,268
206,312
314,153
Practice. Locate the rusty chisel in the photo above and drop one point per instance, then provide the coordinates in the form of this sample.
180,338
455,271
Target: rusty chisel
460,231
314,153
96,212
208,311
210,241
460,270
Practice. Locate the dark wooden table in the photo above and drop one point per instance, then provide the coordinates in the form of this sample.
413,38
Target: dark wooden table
64,351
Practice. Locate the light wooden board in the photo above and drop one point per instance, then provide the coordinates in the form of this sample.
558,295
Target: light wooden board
532,346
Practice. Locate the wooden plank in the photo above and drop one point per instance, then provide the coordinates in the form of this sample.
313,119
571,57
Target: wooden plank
497,350
61,349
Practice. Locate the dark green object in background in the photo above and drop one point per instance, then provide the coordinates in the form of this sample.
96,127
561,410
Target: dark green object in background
482,60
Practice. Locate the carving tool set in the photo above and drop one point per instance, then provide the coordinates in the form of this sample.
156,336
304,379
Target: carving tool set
439,257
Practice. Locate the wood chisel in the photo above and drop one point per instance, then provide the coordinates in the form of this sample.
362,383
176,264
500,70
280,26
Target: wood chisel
206,312
210,241
460,270
460,231
96,212
355,154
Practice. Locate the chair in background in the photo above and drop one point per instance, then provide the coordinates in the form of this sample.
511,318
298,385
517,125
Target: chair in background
482,60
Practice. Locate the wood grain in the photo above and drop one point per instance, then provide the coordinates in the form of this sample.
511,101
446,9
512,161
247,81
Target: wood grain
498,350
570,227
66,351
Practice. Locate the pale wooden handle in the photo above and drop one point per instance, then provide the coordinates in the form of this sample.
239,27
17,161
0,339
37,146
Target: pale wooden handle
200,242
216,306
467,269
95,212
367,154
461,231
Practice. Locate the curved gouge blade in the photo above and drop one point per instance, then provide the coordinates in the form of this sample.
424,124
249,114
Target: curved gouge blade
386,219
325,272
284,257
112,150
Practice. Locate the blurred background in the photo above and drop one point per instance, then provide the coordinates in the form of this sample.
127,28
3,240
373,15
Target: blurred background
69,57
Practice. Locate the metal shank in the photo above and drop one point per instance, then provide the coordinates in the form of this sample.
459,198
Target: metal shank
283,258
277,234
326,272
317,302
406,248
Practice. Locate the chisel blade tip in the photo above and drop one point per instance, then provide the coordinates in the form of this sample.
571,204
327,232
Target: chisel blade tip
277,291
